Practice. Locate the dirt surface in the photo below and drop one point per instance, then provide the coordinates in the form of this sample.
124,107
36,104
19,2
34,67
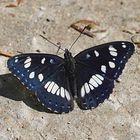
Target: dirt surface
21,117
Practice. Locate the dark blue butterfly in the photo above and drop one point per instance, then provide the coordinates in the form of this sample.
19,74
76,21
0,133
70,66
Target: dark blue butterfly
88,77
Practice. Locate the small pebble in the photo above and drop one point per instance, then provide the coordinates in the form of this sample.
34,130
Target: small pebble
8,129
119,80
42,8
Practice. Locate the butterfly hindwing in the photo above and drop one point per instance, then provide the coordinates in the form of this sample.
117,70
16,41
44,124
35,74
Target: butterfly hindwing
60,99
97,68
92,87
44,74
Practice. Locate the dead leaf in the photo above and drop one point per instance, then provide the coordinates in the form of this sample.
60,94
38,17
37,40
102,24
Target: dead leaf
87,27
14,4
11,5
19,1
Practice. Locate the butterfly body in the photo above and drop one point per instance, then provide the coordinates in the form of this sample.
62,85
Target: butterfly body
88,77
70,67
69,64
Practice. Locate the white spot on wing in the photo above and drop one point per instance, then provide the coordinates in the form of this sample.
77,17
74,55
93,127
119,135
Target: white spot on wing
113,53
100,77
27,65
93,82
49,108
47,84
58,92
54,89
91,86
111,64
97,79
32,75
87,56
38,99
27,60
51,61
96,53
103,68
62,92
111,48
121,61
124,46
16,60
50,86
40,77
43,60
67,95
87,89
82,92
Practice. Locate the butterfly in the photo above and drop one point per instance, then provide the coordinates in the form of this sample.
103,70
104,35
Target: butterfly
88,77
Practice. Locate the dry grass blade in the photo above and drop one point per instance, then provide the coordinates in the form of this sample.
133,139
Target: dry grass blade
14,4
5,54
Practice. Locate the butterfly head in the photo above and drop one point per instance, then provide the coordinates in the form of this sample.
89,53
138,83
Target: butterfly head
68,56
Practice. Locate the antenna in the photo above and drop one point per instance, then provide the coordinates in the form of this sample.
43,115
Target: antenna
58,46
88,27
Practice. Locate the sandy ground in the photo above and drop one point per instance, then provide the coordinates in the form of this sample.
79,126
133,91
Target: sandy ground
21,117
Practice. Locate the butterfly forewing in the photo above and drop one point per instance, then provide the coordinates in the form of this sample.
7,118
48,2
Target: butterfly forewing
108,59
97,68
45,75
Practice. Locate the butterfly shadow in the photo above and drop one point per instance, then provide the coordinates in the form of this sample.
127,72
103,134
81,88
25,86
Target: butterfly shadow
11,88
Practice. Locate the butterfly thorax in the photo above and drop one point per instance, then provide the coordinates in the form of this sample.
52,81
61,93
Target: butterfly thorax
69,63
